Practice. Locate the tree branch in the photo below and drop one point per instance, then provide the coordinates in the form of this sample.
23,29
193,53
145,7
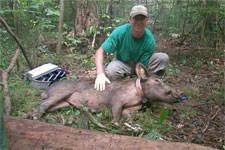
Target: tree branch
4,83
17,41
13,61
208,123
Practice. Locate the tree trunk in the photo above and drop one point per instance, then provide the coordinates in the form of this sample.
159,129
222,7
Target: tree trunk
3,142
76,9
60,30
27,134
84,17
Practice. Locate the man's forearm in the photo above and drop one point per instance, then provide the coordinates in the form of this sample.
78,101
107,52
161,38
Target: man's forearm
99,59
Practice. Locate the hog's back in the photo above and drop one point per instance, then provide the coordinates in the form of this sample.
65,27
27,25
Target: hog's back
65,88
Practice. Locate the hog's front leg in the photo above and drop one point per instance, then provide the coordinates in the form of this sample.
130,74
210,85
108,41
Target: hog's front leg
116,113
128,111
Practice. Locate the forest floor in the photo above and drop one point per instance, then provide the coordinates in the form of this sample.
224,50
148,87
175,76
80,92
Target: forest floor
201,69
199,72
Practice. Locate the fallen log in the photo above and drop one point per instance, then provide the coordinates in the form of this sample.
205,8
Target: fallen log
23,134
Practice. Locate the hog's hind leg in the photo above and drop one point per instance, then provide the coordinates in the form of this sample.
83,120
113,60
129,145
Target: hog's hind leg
52,101
58,106
48,105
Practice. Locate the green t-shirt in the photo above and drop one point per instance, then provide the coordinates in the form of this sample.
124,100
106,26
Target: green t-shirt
128,49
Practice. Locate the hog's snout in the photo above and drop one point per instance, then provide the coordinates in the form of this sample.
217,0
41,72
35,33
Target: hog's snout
170,96
176,94
168,92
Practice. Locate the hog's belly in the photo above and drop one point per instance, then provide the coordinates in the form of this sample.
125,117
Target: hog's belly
91,99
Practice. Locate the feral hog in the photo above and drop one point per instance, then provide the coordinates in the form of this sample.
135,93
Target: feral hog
122,97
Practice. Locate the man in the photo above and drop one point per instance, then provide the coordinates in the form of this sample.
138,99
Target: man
130,43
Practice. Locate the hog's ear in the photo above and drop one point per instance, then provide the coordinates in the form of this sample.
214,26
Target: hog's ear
141,71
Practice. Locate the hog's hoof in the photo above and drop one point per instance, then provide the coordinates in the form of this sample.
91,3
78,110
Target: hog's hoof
33,116
36,115
133,127
129,121
115,124
44,95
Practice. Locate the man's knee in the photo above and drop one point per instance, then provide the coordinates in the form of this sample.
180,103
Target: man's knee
158,62
165,58
161,57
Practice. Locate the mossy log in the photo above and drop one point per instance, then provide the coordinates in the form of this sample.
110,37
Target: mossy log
23,134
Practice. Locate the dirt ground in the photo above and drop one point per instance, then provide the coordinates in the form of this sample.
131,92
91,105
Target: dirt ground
202,72
207,124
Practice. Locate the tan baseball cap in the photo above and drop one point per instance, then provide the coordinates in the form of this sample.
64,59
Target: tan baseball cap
138,10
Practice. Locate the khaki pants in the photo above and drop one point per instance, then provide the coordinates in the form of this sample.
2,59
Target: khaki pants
117,69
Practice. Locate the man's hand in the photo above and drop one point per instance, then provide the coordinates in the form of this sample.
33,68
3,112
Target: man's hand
100,82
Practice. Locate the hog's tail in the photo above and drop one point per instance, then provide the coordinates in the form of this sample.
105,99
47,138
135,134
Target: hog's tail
44,95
